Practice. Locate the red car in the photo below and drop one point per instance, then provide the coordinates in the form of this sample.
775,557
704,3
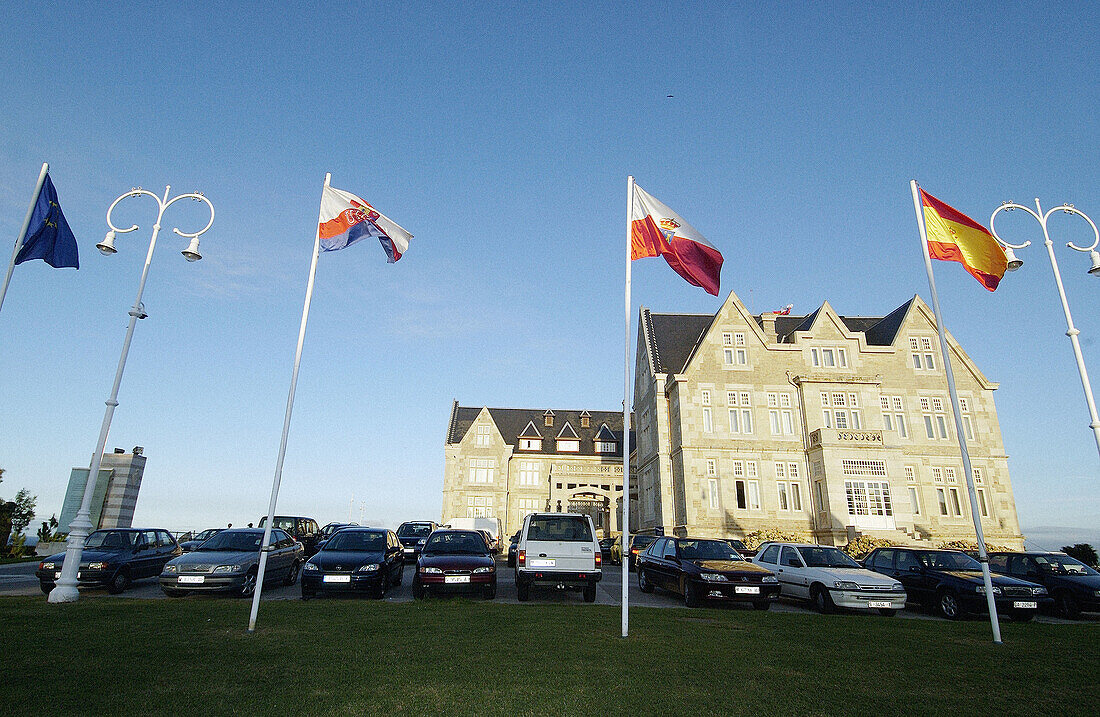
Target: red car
455,561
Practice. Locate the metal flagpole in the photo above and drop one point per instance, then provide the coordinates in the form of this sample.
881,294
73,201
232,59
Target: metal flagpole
983,557
626,422
23,231
286,430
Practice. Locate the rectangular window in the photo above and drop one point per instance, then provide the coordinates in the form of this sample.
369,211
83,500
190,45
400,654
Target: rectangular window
735,420
773,400
742,500
900,425
852,467
568,446
530,444
483,436
928,428
949,474
605,446
839,399
705,397
941,423
910,474
979,476
479,506
713,484
727,339
788,422
482,470
746,420
707,426
784,400
742,357
913,500
739,339
827,418
796,496
773,418
712,467
827,358
937,474
819,492
856,423
887,422
942,495
969,426
842,357
982,505
782,492
528,505
956,506
529,473
754,495
841,419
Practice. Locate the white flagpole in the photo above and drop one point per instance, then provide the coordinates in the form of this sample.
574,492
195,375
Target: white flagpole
983,557
626,422
286,430
23,231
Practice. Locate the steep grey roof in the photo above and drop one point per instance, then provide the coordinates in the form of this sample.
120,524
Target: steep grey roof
511,422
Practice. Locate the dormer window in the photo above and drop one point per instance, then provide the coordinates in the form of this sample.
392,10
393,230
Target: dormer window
548,418
606,441
586,419
568,441
530,439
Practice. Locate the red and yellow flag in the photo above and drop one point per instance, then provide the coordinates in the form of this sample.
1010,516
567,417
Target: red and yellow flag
953,236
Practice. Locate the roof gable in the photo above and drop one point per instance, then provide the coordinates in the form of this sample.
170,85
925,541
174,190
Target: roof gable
567,431
530,431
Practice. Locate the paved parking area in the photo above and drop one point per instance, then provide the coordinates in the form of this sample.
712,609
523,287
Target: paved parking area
18,579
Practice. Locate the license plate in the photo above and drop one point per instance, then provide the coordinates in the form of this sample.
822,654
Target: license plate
547,563
1026,604
714,593
747,590
456,579
878,603
191,579
337,579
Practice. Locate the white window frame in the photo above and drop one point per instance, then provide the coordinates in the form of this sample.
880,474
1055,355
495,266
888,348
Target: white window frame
713,490
914,499
484,436
482,471
528,473
708,421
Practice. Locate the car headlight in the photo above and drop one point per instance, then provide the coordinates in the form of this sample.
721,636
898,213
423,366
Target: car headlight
372,567
1039,591
897,587
713,577
486,569
50,566
1096,593
430,570
98,565
421,541
845,585
769,579
310,566
171,568
981,590
227,569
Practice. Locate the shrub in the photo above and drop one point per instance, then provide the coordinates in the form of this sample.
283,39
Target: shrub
1081,551
864,544
972,545
755,538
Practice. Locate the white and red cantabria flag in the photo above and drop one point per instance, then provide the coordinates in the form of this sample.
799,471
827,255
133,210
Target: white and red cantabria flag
656,230
346,219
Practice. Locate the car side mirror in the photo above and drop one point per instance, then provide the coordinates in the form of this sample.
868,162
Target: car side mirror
914,569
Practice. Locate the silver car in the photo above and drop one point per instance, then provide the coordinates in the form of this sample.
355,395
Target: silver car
229,561
829,579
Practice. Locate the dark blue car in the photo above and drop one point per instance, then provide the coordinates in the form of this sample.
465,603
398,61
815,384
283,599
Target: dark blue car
355,560
115,558
1074,586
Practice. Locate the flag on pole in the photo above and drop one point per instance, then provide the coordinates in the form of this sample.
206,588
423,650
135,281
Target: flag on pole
48,235
346,219
656,230
953,236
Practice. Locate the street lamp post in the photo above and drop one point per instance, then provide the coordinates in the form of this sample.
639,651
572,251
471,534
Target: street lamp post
81,527
1071,330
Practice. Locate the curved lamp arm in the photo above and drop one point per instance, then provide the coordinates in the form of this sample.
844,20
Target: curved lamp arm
1010,206
1070,209
198,197
134,192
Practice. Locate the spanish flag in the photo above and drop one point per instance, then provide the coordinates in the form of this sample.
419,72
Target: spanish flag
953,236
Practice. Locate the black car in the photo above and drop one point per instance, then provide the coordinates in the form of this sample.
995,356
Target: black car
951,582
355,560
302,529
638,544
412,535
328,531
229,562
701,569
512,547
199,539
739,546
114,558
1072,585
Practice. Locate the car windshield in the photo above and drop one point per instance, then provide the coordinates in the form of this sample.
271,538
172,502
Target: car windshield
707,550
246,541
456,543
948,560
357,541
206,534
110,540
827,558
641,541
565,528
737,544
1063,565
414,530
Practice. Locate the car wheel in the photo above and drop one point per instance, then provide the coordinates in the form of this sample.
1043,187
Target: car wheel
46,588
643,582
590,592
691,594
887,612
118,583
1022,615
418,589
1067,605
949,606
523,591
400,576
761,604
380,591
511,561
489,592
307,594
292,574
248,585
174,593
823,601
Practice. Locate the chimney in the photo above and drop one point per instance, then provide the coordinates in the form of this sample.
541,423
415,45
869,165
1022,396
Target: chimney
768,321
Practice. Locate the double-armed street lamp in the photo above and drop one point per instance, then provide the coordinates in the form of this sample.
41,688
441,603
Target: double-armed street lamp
1015,263
81,527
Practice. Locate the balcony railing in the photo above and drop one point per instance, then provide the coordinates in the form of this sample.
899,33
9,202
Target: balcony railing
845,436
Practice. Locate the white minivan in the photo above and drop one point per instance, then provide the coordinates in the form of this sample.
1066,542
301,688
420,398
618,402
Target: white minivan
558,550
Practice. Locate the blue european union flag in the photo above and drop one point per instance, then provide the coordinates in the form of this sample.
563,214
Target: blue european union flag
48,235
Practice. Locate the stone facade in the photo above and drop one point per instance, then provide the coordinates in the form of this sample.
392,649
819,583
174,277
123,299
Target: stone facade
508,462
115,496
822,425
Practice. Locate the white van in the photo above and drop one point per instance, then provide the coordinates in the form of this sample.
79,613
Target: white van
558,550
490,525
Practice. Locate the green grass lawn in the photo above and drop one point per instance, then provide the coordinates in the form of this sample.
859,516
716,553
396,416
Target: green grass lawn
20,559
112,656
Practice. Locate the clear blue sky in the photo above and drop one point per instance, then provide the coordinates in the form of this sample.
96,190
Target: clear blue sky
501,136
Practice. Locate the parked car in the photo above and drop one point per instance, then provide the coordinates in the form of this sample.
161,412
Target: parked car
304,530
638,544
490,541
355,560
612,550
512,547
703,569
951,582
455,560
740,547
329,530
114,558
1074,586
229,562
413,534
828,578
199,539
558,549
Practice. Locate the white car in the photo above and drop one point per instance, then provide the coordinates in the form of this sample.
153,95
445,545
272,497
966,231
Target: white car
558,550
828,578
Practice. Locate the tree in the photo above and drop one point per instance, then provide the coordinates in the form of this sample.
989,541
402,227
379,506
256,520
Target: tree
24,510
1083,552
